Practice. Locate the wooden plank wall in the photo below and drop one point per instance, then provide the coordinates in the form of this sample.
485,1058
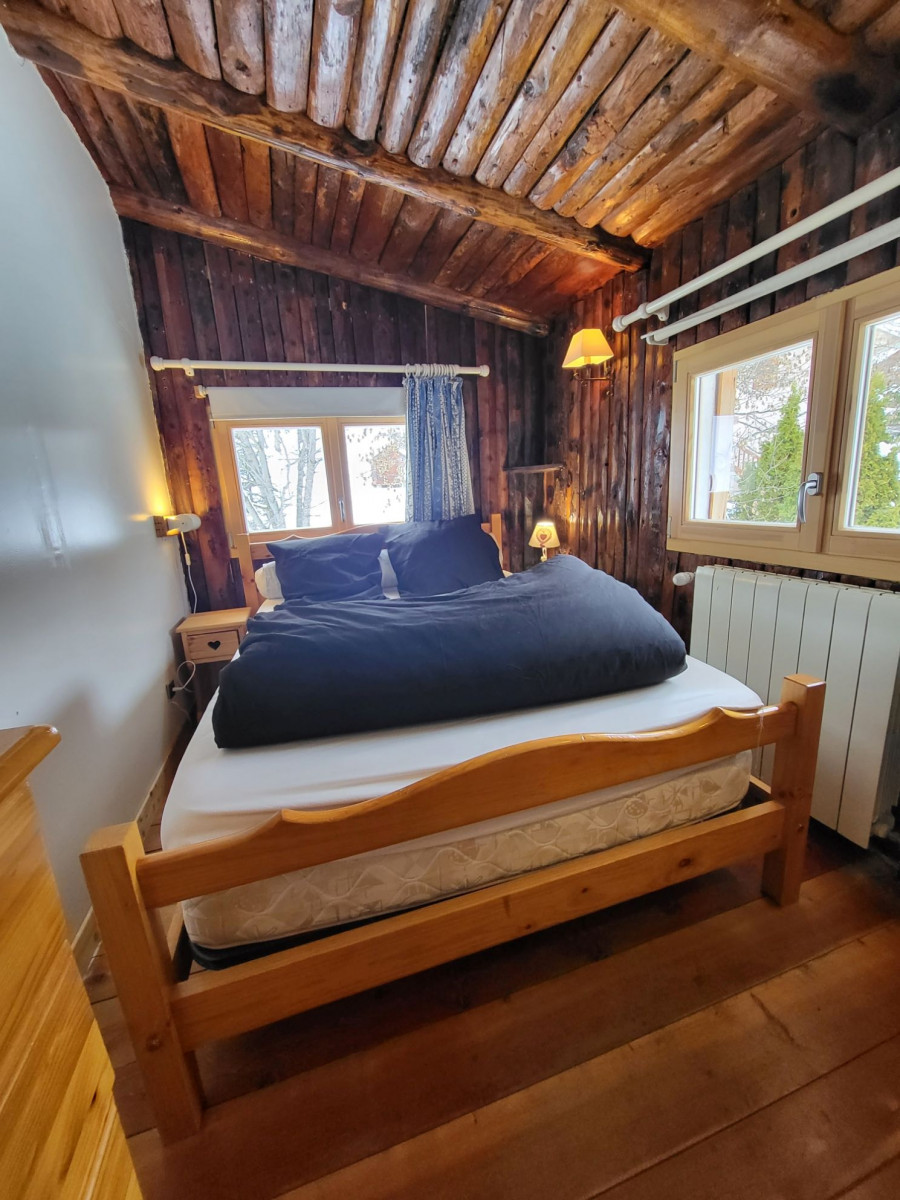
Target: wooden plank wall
197,300
611,506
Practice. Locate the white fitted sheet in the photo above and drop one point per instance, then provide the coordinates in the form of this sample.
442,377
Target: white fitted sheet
221,792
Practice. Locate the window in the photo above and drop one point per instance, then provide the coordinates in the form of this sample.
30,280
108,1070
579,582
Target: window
750,420
282,480
786,437
376,471
870,498
310,475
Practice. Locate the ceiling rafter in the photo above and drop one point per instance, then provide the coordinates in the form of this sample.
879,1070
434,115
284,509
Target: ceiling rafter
280,248
61,45
786,48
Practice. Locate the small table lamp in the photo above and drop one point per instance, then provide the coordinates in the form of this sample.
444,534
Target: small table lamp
544,538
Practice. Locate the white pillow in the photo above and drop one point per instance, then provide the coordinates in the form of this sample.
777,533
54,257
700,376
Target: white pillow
267,582
389,584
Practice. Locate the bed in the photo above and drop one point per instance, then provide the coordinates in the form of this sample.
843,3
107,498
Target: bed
220,794
354,860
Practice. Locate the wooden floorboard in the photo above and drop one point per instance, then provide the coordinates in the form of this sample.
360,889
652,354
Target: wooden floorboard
337,1030
809,1146
676,1113
881,1184
601,1051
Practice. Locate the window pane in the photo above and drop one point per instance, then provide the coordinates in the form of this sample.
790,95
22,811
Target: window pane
749,428
376,463
874,491
281,471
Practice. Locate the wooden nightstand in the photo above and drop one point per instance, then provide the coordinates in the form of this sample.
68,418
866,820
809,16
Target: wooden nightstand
210,639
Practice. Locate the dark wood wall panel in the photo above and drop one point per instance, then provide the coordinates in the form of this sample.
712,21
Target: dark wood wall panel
611,506
196,300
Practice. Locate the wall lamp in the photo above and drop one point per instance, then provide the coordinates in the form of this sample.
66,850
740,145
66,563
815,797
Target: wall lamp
588,348
179,523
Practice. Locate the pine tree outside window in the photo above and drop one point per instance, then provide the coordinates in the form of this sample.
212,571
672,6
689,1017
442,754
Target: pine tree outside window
874,493
767,486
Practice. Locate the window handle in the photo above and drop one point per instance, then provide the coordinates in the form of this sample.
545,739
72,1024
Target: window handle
812,485
341,508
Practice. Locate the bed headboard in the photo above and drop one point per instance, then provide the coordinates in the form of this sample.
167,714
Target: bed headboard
251,555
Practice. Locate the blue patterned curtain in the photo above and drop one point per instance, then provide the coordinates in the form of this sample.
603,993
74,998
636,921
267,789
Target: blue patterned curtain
439,482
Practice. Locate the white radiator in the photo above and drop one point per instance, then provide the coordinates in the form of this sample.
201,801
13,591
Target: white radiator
760,627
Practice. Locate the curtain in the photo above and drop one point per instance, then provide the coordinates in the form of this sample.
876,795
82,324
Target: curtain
439,482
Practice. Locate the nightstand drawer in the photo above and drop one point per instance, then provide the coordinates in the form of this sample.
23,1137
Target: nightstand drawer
216,646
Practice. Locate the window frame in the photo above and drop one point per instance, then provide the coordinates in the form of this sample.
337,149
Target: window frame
836,321
337,473
862,311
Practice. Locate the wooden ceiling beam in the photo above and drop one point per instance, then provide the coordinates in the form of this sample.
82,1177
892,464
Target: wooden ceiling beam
786,48
61,45
279,248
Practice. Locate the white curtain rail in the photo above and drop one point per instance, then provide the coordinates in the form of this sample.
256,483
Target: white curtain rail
192,365
863,195
821,262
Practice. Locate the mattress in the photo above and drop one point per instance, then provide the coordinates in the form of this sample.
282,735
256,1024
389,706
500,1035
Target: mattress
217,793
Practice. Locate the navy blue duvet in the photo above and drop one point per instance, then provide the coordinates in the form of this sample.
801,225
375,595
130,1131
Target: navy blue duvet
561,631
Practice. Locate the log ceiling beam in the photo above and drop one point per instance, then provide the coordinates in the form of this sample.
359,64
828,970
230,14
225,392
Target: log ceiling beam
786,48
279,248
61,45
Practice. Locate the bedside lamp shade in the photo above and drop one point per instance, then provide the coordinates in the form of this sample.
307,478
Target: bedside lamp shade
544,537
587,347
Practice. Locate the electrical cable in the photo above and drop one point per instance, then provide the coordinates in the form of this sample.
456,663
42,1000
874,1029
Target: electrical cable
190,577
183,687
180,687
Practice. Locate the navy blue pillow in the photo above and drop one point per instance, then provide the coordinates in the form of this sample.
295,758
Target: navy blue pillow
431,558
336,567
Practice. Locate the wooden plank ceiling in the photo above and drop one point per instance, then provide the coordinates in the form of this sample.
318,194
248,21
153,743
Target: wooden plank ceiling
500,157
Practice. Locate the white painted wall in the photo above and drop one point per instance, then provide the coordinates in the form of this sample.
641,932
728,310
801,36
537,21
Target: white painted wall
88,594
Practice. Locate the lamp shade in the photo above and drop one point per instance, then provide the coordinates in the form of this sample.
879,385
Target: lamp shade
180,523
183,523
544,536
588,346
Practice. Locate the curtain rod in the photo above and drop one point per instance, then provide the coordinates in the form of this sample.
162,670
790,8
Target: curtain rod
821,262
190,365
830,212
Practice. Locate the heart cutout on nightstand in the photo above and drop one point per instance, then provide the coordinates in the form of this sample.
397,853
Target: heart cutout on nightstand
214,645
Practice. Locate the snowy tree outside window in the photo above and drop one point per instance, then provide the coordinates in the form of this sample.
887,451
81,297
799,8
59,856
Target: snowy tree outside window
281,471
376,461
283,474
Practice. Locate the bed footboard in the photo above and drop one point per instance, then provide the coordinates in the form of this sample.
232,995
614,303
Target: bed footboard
168,1016
793,777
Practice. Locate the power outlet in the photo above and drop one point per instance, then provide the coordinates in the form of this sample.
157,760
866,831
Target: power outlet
170,690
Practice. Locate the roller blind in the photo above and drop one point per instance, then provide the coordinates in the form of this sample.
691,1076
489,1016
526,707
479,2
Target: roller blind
239,403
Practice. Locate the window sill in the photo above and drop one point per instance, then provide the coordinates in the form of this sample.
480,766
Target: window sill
836,564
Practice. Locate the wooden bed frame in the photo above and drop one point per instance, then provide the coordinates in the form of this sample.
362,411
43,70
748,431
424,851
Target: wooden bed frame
170,1013
251,553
